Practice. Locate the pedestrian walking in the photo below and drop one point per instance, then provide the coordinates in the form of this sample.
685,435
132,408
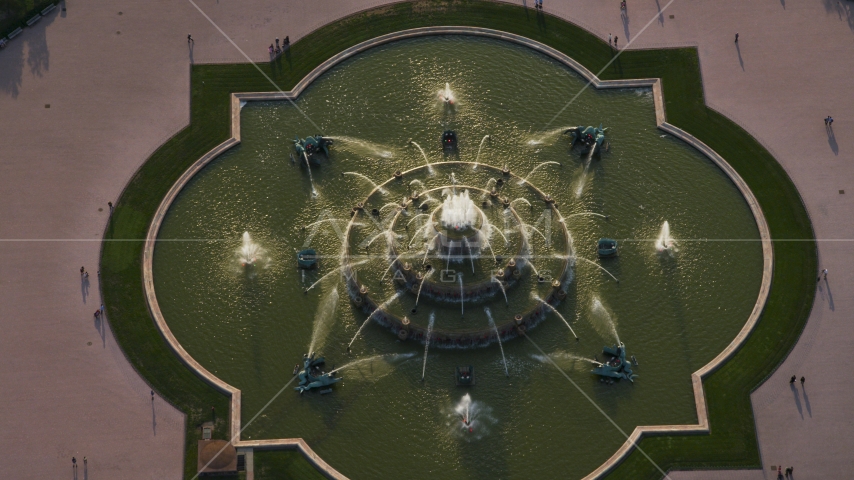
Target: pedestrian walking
615,41
152,395
84,461
277,42
110,204
287,40
792,472
190,39
803,379
823,274
278,50
85,274
792,380
826,120
97,314
74,462
271,49
610,42
830,121
736,38
82,270
102,309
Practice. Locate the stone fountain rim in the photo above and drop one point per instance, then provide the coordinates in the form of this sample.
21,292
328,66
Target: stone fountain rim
702,427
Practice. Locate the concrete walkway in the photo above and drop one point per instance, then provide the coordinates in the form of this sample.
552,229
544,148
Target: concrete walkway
118,87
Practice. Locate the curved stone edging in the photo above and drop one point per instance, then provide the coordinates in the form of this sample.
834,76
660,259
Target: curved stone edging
660,115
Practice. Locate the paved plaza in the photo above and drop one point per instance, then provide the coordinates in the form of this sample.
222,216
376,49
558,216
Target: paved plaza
89,92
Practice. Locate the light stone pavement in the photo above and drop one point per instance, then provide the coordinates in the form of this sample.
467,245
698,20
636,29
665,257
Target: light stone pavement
115,97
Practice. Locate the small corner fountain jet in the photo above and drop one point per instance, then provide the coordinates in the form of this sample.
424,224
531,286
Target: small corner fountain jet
309,146
616,365
446,95
312,376
588,138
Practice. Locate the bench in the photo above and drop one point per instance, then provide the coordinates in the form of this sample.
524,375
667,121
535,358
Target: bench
48,9
33,20
15,33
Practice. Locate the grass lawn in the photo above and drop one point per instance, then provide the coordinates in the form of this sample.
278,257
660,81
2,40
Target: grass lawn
732,442
278,464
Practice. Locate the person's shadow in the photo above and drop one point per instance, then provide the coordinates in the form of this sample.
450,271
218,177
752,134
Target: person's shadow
192,46
84,287
625,17
807,400
829,295
797,399
101,327
831,140
153,418
740,60
660,13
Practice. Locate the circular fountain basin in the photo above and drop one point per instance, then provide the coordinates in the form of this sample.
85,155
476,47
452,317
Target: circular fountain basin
675,310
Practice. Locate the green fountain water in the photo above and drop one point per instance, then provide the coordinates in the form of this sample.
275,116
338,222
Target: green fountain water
675,309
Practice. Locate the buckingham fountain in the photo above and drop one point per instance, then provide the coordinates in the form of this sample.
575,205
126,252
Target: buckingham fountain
443,251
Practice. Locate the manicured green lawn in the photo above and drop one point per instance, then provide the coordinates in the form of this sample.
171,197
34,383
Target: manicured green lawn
732,442
283,464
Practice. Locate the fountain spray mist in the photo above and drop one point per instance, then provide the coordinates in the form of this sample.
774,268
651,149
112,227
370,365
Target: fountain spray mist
553,309
664,242
602,320
422,284
373,183
504,292
583,179
310,177
368,320
546,136
333,271
249,252
477,158
323,319
363,147
524,180
462,297
498,336
429,167
427,343
600,267
386,358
